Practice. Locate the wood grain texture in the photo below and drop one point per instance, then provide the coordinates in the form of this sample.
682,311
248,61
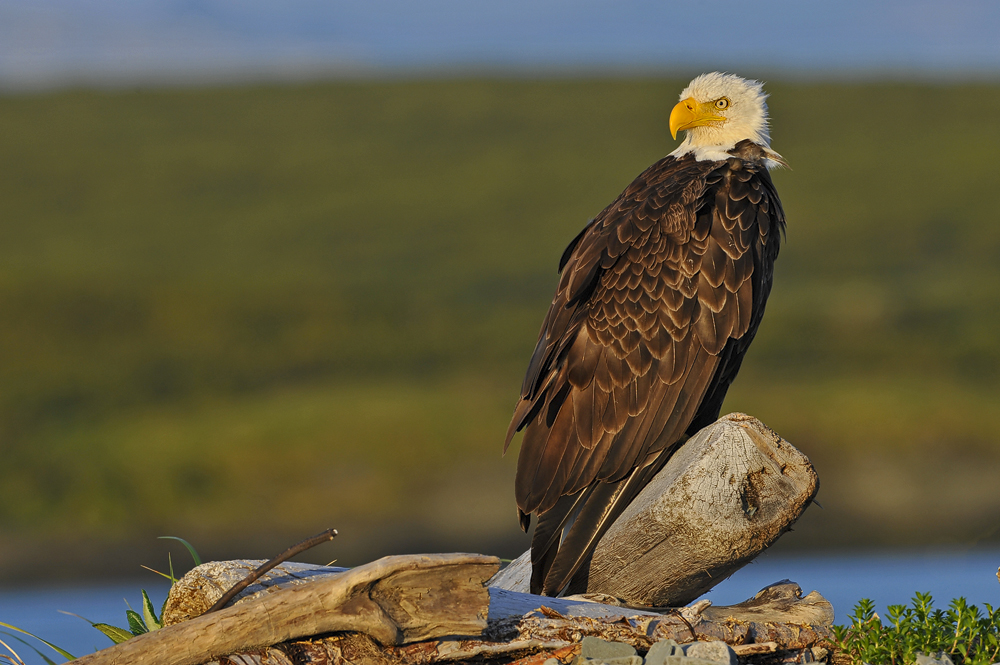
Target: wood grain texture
725,497
395,600
721,500
781,602
533,628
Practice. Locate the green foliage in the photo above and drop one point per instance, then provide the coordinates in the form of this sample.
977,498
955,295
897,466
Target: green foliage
114,633
963,632
137,623
150,620
147,621
341,283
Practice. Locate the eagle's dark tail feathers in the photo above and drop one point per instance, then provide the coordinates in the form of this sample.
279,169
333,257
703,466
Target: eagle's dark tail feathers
554,564
547,534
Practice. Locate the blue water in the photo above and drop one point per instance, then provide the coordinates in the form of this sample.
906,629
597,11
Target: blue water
39,611
58,42
887,579
843,580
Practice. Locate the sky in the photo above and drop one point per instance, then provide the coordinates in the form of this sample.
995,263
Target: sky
46,43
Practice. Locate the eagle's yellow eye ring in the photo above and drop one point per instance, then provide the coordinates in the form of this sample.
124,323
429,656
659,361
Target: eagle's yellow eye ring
722,103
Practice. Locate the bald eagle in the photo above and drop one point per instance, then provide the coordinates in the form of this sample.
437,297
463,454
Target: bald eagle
658,300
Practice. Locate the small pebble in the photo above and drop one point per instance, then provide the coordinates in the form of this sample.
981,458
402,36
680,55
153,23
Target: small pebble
595,651
936,659
715,651
598,649
664,652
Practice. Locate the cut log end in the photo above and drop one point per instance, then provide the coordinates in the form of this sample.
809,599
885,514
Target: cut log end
722,499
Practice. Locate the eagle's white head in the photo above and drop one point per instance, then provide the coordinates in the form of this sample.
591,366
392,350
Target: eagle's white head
718,111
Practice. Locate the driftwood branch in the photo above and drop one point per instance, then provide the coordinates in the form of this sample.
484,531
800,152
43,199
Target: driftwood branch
777,618
724,497
395,600
520,624
782,602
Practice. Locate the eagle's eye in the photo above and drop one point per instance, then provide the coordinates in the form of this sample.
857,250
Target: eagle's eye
722,103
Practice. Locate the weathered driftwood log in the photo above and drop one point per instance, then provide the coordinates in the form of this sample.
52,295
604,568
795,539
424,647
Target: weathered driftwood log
201,587
546,632
775,616
782,602
777,619
395,600
723,498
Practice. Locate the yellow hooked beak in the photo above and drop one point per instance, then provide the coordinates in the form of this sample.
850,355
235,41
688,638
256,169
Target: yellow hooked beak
688,113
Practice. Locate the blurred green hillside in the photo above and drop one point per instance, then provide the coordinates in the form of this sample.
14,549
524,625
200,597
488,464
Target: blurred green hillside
243,315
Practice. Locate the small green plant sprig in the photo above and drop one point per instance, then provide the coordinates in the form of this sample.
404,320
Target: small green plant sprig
137,623
148,621
963,633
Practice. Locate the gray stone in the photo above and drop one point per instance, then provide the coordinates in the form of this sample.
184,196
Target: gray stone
624,660
939,658
716,651
664,652
595,651
668,652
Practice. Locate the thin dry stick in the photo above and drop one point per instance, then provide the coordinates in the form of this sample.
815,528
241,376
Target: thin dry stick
306,544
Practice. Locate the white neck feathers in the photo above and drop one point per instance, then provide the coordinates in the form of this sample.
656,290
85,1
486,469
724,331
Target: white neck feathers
745,118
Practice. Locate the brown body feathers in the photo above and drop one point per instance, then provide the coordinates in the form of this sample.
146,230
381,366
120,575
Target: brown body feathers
658,300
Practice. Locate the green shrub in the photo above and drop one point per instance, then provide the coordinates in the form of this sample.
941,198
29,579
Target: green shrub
963,632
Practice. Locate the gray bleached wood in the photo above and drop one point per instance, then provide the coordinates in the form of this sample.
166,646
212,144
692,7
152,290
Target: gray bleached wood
395,600
202,586
722,499
781,602
519,623
515,576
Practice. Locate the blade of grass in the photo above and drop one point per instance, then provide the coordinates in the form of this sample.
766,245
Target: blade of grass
62,652
189,546
165,575
16,658
113,633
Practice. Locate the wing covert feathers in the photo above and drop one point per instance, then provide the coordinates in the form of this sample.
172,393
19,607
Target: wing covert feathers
658,299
